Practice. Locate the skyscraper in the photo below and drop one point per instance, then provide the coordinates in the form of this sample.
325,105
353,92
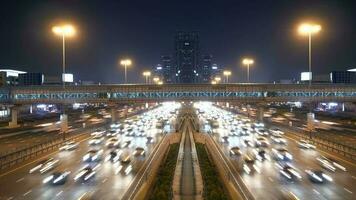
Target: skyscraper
187,57
168,70
206,69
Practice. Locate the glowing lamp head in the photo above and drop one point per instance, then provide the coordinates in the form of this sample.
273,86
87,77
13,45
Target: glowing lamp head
155,79
126,62
64,30
227,73
146,73
247,61
306,29
217,79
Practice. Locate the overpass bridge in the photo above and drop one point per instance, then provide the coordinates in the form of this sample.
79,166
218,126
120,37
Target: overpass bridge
131,93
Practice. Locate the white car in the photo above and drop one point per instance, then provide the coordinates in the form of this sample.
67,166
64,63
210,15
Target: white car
318,176
45,165
305,145
68,146
93,155
86,173
278,139
261,142
96,140
330,164
113,142
282,154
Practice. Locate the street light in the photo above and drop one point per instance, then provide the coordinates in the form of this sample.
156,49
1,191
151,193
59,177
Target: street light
307,29
227,74
64,31
156,79
217,79
126,63
160,82
146,74
248,62
213,82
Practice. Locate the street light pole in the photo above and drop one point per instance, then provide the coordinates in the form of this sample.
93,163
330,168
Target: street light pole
248,72
310,58
125,72
64,59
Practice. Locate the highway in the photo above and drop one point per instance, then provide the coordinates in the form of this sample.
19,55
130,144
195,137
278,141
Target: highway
266,182
107,183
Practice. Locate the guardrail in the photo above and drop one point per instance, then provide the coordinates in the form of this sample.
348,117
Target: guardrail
146,174
340,149
224,166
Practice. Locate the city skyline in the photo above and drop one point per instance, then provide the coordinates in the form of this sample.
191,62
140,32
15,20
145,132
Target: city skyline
278,51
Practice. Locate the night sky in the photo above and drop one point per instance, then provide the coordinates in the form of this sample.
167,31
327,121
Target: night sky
144,30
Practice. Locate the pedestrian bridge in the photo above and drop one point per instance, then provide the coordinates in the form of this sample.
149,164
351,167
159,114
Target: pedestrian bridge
131,93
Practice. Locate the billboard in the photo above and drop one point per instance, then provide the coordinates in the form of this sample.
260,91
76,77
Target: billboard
68,78
305,76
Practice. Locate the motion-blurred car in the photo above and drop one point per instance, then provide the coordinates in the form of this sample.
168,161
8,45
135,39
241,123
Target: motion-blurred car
139,151
248,143
330,164
86,173
261,131
125,157
278,139
93,155
235,151
113,156
261,154
225,139
276,131
288,171
282,154
318,176
96,140
305,144
113,142
45,165
68,146
261,142
150,140
56,178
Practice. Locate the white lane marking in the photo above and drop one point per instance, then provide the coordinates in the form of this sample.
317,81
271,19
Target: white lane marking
19,180
348,190
353,177
10,198
316,191
59,193
104,180
28,192
270,179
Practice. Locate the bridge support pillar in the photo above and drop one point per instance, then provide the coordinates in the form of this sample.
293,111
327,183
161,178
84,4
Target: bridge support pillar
64,123
14,113
260,113
310,121
113,111
248,108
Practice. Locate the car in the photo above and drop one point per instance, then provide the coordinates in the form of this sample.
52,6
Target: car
115,125
276,131
45,165
68,146
113,156
139,151
288,171
261,142
96,140
305,144
261,131
318,176
112,132
150,140
113,142
278,139
248,143
249,158
93,155
126,143
235,151
86,173
261,154
56,178
250,168
330,164
282,154
225,139
125,157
